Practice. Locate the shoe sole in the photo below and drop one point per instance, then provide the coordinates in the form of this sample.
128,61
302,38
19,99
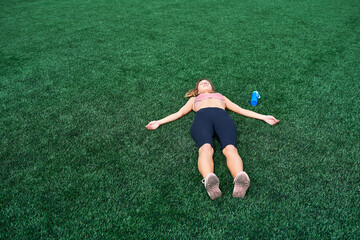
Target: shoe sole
212,187
241,186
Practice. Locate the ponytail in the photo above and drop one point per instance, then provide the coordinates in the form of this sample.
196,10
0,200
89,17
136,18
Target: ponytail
190,93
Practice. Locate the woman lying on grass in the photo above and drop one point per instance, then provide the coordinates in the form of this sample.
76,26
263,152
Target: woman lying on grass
212,119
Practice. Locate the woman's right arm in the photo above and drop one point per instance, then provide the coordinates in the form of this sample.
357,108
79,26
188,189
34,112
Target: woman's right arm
183,111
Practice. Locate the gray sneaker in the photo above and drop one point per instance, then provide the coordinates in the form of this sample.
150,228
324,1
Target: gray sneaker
241,184
211,183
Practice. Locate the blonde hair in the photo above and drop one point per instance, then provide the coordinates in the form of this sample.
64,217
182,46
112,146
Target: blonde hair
194,92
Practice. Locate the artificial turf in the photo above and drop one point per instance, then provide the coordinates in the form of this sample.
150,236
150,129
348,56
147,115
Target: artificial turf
80,79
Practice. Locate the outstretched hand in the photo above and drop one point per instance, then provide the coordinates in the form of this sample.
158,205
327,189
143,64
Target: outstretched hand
271,120
153,125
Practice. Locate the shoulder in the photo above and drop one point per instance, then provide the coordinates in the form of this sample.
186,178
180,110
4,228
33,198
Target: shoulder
191,100
227,101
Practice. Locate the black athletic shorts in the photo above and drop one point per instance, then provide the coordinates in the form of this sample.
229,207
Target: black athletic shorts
210,122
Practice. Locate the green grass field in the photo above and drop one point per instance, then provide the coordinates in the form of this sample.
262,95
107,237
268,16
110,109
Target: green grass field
81,79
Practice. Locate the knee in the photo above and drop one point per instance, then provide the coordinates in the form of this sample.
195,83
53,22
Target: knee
229,149
206,148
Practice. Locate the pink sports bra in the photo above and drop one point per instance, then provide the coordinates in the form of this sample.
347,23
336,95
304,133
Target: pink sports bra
203,96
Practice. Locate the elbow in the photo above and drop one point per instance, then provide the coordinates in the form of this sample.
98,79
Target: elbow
180,114
240,110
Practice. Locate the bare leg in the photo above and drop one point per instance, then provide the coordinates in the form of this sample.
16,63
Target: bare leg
206,168
235,165
205,161
233,160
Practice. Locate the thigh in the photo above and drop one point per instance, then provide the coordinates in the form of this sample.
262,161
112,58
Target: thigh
225,129
202,130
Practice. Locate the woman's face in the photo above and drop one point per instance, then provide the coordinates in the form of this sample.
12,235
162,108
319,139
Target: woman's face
204,86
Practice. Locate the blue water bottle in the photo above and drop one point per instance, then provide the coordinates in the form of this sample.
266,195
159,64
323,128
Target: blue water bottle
254,98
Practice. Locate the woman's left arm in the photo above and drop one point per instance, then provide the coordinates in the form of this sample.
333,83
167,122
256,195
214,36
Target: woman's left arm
247,113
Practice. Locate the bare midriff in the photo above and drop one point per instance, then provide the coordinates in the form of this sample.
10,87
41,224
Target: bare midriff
209,103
